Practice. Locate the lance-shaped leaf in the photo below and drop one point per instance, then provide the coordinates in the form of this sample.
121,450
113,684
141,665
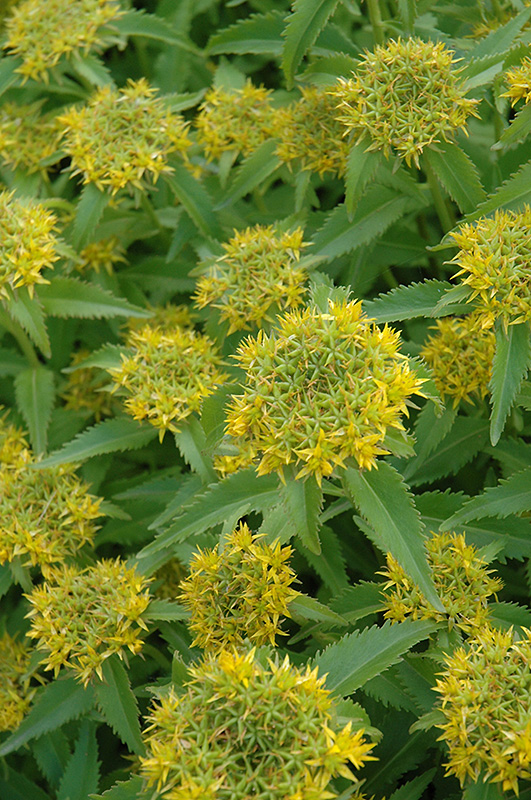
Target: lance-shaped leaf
361,168
304,25
407,302
69,297
191,441
35,395
81,775
195,199
252,172
358,601
8,73
512,360
117,702
361,655
16,786
133,789
513,194
138,23
511,496
430,429
28,312
92,203
518,130
457,173
501,39
308,608
414,790
383,500
11,362
257,33
302,503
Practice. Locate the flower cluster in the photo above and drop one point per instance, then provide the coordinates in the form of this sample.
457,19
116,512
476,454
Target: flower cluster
27,137
238,592
85,389
256,277
494,261
123,136
460,576
486,700
310,134
102,255
165,374
239,120
404,96
46,515
27,242
518,80
241,730
43,32
80,617
321,388
15,692
460,356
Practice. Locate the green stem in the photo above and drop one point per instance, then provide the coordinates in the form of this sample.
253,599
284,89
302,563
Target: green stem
376,21
445,217
22,339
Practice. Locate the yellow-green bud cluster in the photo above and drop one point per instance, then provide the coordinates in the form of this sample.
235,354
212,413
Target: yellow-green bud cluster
102,255
46,515
27,242
27,137
257,277
460,356
239,120
41,32
486,700
121,137
85,389
310,135
80,617
166,374
495,262
518,80
240,730
321,388
168,579
15,692
239,592
403,97
460,576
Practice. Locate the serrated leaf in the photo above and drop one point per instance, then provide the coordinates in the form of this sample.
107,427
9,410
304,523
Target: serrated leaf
117,702
513,195
191,441
27,311
512,359
109,436
382,499
69,297
430,430
483,790
457,173
35,395
165,609
11,362
518,130
195,199
52,753
414,789
81,775
513,454
57,703
257,33
330,563
251,173
15,786
407,302
361,168
358,601
507,615
308,608
303,26
149,26
133,789
91,205
360,656
511,496
107,357
8,74
303,500
501,39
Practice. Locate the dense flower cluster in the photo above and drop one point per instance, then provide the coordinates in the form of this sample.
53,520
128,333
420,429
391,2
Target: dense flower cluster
460,356
42,32
239,592
518,80
494,261
80,617
256,277
486,700
121,137
27,242
404,96
460,576
102,255
85,389
15,691
241,730
27,137
323,387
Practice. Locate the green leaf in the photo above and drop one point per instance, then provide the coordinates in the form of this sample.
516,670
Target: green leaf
118,705
361,655
8,74
109,436
383,501
107,357
165,609
69,297
15,786
501,39
308,608
251,173
92,203
195,199
512,360
191,441
133,789
257,33
138,23
82,772
511,496
27,311
11,362
518,130
430,430
407,302
57,703
303,26
457,173
507,615
357,602
483,790
414,790
303,500
329,564
52,753
513,194
361,168
35,394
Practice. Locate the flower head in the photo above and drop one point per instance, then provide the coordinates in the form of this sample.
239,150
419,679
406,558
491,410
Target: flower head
460,356
404,96
310,134
518,79
257,275
495,261
486,700
238,120
85,389
102,255
238,592
123,136
165,374
460,576
80,617
321,388
15,692
27,242
241,730
27,137
43,31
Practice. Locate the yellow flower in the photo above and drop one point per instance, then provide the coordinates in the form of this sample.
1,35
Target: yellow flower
27,137
15,692
42,31
460,356
257,277
239,592
403,97
123,136
322,388
518,80
102,255
460,576
80,617
239,730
